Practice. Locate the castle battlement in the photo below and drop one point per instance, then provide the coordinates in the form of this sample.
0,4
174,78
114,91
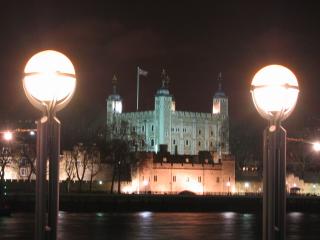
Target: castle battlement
200,115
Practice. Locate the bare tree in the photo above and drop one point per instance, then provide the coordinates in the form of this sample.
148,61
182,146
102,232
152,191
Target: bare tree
5,160
26,160
94,163
122,139
69,168
80,158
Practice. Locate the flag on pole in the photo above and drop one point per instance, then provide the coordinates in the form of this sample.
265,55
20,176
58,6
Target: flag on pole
142,72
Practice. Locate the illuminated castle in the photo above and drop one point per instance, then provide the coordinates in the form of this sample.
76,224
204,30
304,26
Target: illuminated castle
184,133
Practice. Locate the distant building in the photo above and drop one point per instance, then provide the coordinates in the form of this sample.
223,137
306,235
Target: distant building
185,133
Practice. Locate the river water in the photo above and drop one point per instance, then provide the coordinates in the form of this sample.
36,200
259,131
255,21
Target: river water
155,225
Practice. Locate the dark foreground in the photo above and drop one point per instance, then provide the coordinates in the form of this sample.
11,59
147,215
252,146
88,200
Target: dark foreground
162,203
157,226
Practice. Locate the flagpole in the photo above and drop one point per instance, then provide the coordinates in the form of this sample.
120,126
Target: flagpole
138,88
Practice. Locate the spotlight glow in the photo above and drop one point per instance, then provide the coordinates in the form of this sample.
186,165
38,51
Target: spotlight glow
275,91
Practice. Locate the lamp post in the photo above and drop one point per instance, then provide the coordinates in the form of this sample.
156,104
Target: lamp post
274,90
49,83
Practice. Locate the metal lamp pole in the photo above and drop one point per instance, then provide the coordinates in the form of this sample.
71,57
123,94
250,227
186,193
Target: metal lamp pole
274,91
49,84
274,182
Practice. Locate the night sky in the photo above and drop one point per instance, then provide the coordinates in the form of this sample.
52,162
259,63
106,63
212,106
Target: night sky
193,41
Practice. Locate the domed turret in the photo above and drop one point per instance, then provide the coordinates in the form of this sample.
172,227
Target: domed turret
114,101
220,110
164,91
220,100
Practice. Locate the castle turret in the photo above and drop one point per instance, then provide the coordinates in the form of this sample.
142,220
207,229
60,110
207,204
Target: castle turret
220,110
220,100
114,102
163,109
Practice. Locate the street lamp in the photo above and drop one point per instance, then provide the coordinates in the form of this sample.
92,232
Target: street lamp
7,136
274,91
49,83
316,146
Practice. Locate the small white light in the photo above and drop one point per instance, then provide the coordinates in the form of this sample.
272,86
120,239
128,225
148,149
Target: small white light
316,146
246,185
145,182
7,136
32,133
228,184
100,182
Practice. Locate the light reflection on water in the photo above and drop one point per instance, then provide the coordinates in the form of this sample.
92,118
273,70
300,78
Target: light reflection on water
152,225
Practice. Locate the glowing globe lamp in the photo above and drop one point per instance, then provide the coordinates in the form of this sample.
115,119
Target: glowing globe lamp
275,91
49,80
7,136
316,146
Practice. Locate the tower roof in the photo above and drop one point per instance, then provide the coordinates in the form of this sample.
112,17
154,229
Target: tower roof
114,96
164,91
219,93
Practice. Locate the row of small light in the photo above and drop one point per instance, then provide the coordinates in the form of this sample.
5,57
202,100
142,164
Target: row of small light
8,135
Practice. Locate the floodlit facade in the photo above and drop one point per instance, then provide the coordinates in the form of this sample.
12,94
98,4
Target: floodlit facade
185,133
174,174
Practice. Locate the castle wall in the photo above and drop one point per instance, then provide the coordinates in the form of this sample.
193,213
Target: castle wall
178,177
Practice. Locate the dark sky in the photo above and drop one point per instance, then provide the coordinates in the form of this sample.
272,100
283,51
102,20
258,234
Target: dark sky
193,40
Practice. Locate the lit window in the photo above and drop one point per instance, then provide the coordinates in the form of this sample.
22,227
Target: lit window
23,172
216,107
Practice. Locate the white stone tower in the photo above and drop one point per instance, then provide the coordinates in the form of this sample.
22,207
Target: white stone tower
163,109
220,109
114,102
